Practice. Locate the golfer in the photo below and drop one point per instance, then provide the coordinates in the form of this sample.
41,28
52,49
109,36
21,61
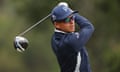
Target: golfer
68,45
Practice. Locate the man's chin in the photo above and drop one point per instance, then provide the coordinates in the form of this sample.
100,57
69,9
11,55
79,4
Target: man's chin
72,31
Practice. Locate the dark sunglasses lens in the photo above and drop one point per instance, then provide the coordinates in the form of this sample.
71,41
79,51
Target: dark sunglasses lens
69,19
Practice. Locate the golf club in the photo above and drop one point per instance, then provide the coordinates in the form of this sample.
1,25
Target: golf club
20,42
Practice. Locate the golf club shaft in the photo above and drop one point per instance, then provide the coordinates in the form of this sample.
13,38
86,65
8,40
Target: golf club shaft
34,25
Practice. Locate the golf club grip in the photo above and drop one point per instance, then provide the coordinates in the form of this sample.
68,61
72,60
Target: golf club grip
34,25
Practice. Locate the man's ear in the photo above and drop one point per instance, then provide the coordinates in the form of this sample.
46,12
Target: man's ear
56,25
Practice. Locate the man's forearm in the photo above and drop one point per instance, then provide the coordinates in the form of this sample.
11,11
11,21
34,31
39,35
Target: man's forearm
83,22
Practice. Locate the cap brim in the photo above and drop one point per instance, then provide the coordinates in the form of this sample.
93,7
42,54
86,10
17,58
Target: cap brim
71,13
75,12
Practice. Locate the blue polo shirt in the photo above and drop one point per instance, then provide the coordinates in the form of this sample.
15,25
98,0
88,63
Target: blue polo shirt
69,48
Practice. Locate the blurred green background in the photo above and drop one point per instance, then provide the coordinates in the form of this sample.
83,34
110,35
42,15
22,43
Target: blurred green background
18,15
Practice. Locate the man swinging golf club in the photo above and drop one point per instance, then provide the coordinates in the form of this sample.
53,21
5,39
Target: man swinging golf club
68,45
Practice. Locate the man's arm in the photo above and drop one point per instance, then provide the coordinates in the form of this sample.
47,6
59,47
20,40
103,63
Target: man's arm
83,22
80,38
86,29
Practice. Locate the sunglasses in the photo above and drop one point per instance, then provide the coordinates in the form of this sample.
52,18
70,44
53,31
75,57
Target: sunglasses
67,20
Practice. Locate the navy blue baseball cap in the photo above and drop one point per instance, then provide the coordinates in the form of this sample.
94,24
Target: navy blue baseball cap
61,12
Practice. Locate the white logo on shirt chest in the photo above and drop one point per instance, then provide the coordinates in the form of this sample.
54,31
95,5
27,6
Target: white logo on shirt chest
77,35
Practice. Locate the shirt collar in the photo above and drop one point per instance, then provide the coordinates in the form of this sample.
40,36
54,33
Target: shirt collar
56,30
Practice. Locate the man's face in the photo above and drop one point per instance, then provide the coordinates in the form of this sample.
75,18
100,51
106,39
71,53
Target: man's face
66,25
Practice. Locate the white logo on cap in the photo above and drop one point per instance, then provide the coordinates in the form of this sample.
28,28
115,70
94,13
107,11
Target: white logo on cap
65,9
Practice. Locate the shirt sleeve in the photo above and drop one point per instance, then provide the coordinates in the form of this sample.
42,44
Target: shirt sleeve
80,38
